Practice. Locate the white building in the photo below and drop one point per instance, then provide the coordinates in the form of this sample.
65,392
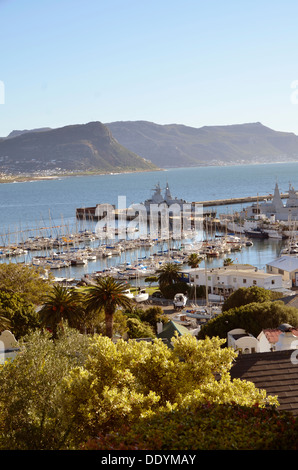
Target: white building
223,281
241,341
279,339
285,337
287,267
8,346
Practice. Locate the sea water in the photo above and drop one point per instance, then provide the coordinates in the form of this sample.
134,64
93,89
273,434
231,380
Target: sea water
32,206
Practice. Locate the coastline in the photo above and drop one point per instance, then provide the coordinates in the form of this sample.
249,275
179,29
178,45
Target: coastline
23,178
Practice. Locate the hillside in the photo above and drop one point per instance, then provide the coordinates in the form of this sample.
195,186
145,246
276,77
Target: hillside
75,148
176,145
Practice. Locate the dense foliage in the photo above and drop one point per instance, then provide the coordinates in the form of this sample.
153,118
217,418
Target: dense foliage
20,315
205,427
80,391
58,394
248,295
27,281
253,318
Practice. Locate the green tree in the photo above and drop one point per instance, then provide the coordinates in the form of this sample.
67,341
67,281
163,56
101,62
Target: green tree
194,260
34,411
228,262
107,295
153,315
253,318
151,279
61,304
247,295
139,329
168,274
25,280
21,315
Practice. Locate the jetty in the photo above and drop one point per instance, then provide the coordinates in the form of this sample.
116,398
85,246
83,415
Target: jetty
238,200
156,200
91,213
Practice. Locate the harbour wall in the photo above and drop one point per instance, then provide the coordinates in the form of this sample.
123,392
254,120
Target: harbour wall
238,200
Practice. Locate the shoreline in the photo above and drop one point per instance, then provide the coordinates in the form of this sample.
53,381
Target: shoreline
29,178
22,178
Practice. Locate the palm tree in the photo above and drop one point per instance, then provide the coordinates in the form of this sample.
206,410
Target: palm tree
194,260
228,262
168,274
107,294
60,304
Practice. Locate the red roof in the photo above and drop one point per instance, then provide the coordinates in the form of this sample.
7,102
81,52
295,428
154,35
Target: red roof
272,334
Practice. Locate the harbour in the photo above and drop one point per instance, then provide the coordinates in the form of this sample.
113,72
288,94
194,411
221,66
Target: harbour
40,219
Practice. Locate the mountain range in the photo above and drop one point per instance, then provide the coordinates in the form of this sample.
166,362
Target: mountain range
141,146
76,148
175,145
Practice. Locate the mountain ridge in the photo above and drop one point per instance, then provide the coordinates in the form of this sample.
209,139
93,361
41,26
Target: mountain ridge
75,148
178,145
122,146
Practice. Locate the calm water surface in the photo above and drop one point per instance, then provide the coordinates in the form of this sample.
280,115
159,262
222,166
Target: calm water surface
52,203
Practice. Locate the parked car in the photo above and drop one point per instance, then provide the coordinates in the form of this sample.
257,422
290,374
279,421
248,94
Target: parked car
157,295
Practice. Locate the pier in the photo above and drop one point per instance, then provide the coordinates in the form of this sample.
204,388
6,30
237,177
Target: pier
89,213
239,200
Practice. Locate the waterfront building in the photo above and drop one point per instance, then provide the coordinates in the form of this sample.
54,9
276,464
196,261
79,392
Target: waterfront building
222,281
287,267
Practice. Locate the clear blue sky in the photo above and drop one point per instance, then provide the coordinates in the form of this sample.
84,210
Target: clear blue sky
193,62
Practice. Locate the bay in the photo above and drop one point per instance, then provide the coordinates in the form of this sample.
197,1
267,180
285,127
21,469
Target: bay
53,202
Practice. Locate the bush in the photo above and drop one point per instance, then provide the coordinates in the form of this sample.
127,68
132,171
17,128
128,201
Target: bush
253,318
248,295
207,427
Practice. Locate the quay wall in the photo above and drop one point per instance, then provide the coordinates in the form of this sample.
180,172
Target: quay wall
237,200
89,212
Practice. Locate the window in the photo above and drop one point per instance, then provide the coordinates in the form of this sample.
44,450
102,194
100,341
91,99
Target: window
244,281
254,282
273,281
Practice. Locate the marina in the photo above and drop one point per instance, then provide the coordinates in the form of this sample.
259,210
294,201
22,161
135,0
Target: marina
39,225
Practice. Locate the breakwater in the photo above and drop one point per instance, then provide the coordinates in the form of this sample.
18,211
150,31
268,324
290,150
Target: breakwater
239,200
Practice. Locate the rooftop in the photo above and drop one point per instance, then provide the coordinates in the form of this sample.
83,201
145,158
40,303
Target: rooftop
240,270
287,263
274,372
